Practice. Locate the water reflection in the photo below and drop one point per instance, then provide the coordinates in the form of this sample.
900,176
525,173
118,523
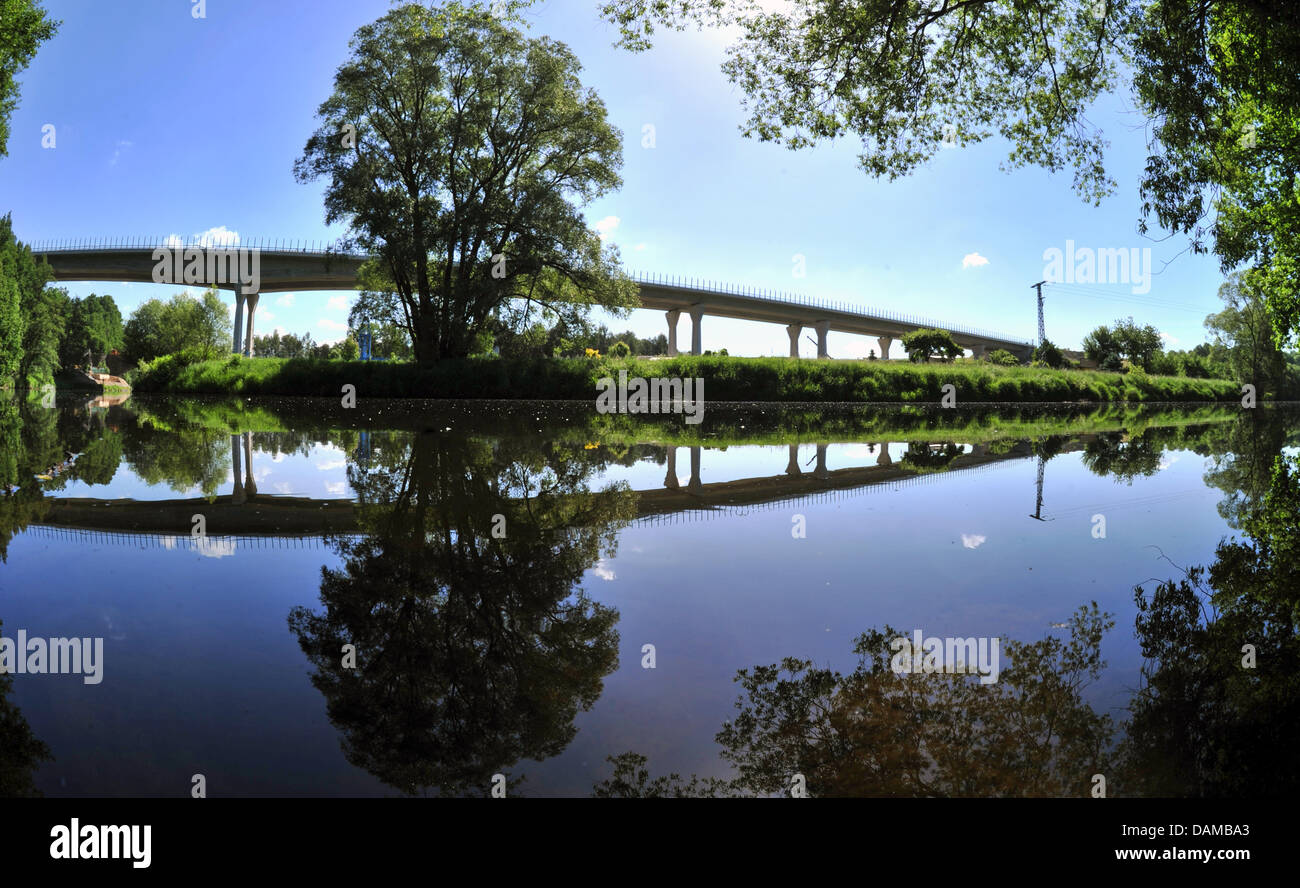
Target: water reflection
463,540
475,645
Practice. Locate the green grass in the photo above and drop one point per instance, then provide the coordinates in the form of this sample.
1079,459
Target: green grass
725,379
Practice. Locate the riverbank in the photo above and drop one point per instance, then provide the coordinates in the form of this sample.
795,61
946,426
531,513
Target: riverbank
725,379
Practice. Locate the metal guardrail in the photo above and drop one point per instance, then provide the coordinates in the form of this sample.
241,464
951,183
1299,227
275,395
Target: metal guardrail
320,248
787,298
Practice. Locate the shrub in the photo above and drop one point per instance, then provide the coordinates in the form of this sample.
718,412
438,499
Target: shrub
1002,358
620,349
1049,355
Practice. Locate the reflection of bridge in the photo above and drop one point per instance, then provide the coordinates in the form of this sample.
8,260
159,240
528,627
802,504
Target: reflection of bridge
245,515
297,266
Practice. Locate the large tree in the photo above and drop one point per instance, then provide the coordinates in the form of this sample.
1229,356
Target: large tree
1218,82
94,328
183,323
24,26
1243,329
460,152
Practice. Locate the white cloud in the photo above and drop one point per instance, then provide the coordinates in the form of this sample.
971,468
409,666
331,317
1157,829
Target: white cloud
606,225
285,299
972,540
973,259
639,247
117,151
266,315
337,303
221,236
1169,337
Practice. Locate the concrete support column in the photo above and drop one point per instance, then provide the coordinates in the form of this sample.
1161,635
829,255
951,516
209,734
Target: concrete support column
697,335
236,470
979,350
695,470
823,328
884,342
670,479
792,467
250,482
239,322
821,471
794,330
252,309
672,331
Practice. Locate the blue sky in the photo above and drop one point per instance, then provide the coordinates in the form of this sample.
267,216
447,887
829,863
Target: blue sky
166,124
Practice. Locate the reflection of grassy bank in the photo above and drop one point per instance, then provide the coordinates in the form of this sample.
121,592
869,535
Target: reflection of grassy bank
723,425
725,379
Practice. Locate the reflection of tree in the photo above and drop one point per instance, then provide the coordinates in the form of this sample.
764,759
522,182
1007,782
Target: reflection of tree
1204,723
922,457
473,650
20,751
877,733
1110,454
181,457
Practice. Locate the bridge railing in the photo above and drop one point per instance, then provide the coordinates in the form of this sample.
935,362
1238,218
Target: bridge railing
788,298
281,245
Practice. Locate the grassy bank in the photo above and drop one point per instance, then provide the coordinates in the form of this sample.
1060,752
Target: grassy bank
725,379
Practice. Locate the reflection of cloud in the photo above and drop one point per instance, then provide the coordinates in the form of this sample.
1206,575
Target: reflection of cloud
279,457
603,571
214,547
336,487
1167,461
331,465
973,260
972,540
282,487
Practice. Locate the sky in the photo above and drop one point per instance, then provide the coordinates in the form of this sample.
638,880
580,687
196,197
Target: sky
166,124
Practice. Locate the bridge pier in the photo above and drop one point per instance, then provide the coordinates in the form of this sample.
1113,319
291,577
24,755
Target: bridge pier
792,466
695,483
823,328
884,342
239,321
236,471
884,459
672,331
670,479
252,308
794,330
697,334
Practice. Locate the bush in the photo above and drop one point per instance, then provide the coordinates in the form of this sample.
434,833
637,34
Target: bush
620,349
1002,358
1112,363
1049,355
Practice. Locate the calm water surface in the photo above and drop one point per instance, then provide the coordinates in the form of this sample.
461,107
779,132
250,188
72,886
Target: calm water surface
507,574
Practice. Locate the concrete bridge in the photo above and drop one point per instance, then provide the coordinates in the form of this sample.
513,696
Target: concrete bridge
298,265
244,514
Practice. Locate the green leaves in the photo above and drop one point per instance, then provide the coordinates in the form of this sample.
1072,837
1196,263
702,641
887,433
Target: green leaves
471,150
